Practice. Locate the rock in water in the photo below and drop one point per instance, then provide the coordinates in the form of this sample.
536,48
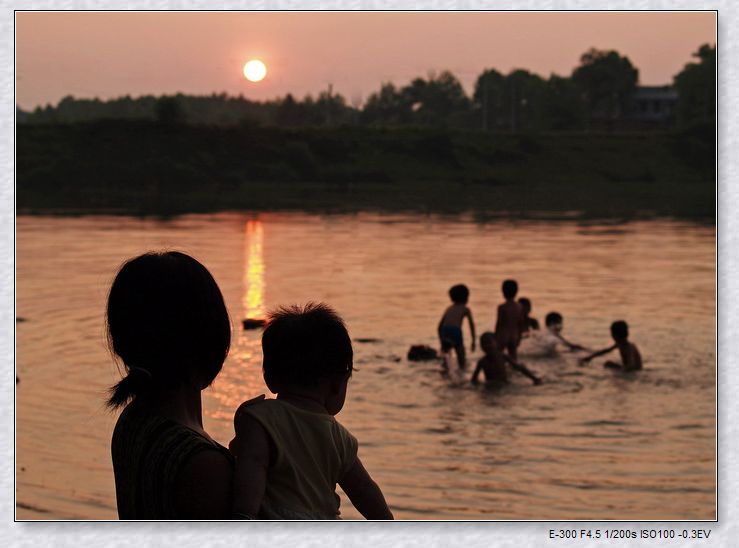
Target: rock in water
253,323
422,352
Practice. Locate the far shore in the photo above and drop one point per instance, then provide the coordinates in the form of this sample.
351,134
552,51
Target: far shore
145,168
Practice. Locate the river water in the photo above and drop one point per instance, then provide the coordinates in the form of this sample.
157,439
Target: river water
586,444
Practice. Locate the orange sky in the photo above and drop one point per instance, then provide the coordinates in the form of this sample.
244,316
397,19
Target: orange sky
109,54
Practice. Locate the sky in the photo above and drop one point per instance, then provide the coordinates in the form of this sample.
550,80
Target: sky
111,54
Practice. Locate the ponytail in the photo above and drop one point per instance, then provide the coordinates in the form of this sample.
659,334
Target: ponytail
136,382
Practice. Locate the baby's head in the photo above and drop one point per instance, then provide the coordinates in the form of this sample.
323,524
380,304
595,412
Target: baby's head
487,342
168,324
308,348
459,294
525,304
554,321
620,331
510,288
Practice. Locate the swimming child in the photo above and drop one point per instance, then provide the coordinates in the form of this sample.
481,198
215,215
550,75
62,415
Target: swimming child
450,325
630,357
510,322
554,322
529,322
291,451
492,364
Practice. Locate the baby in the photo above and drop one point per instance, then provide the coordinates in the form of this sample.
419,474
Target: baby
290,451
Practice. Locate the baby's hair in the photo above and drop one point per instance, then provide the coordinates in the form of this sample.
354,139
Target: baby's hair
553,318
304,345
459,294
510,288
524,302
167,322
620,330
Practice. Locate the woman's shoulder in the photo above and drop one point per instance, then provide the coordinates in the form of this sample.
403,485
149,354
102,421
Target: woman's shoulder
138,431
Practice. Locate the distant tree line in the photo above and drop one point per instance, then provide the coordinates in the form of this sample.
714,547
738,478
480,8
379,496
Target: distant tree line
600,88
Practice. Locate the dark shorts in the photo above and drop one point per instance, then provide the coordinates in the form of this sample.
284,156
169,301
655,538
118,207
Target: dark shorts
451,337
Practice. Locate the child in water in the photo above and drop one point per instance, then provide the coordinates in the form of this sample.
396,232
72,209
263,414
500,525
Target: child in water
554,322
630,357
529,322
291,451
493,363
511,321
450,325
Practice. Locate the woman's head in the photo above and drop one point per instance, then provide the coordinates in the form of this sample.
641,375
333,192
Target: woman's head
305,346
168,324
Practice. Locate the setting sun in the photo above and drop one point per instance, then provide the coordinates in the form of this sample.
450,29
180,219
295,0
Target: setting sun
255,70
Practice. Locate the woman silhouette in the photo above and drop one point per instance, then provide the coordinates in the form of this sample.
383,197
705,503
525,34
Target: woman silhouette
168,324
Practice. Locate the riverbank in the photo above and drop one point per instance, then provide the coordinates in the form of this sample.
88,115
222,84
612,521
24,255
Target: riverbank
149,168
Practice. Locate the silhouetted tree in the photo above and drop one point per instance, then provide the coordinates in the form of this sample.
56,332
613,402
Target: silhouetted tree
607,81
169,111
523,94
562,106
436,101
696,88
488,98
387,107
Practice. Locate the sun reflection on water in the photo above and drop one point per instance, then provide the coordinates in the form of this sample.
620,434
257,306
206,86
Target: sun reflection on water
253,299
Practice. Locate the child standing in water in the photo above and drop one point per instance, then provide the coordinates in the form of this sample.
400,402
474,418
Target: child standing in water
630,357
493,363
291,451
450,325
510,323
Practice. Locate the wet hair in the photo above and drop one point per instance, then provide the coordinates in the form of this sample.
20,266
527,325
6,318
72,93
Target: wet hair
525,303
487,336
553,318
620,330
167,322
303,346
510,288
459,294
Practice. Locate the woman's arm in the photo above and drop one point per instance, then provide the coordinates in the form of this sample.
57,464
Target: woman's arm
252,451
364,493
203,487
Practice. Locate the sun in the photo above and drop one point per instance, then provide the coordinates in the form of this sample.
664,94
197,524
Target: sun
255,70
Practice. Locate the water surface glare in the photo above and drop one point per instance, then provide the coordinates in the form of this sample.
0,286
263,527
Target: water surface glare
586,444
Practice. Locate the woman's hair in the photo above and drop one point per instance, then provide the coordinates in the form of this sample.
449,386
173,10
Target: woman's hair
302,346
167,322
459,294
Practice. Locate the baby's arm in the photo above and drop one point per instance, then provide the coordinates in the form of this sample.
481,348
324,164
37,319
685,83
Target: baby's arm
252,451
468,313
364,493
586,359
